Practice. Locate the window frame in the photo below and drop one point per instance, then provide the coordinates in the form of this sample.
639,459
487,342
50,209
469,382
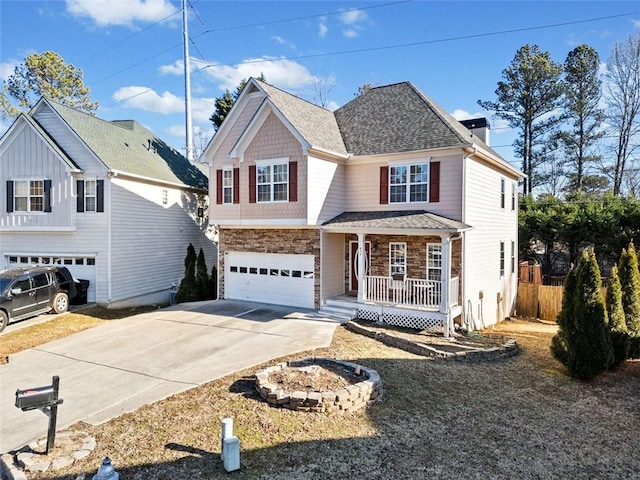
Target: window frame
514,196
502,193
28,197
502,259
396,267
409,182
88,196
271,184
513,256
430,267
227,174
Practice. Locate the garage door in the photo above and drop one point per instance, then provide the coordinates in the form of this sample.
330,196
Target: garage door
270,278
83,267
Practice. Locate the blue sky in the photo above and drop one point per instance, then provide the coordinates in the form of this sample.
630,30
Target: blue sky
130,51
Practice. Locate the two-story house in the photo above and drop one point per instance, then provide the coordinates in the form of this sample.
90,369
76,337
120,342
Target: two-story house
109,200
388,206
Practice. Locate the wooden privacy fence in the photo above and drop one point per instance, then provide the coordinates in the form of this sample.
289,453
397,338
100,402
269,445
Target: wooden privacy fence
539,301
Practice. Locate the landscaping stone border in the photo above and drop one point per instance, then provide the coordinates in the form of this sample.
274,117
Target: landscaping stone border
508,348
348,399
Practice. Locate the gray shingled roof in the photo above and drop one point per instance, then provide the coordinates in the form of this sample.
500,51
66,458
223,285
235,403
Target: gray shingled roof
63,155
128,147
317,125
398,118
406,219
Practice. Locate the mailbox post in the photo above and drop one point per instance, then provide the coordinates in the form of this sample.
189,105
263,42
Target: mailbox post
44,399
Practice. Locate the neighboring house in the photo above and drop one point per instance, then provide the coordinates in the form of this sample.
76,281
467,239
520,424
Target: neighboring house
388,205
109,200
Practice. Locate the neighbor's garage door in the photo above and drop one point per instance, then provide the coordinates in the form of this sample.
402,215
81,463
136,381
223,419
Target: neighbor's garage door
270,278
81,267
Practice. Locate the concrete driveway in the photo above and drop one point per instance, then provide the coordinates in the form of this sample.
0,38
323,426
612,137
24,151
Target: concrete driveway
123,364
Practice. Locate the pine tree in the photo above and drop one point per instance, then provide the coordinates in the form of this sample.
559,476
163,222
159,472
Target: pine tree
630,282
213,282
188,290
617,324
592,350
560,347
202,277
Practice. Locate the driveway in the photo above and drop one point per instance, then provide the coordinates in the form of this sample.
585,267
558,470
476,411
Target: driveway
123,364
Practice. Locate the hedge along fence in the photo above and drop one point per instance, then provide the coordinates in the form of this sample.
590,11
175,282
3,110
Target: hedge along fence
540,301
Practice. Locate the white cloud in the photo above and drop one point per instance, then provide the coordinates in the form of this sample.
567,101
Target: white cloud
322,28
350,33
7,68
353,17
120,12
283,73
278,39
636,23
147,99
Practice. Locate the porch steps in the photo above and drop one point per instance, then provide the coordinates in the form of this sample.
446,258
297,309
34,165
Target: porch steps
338,311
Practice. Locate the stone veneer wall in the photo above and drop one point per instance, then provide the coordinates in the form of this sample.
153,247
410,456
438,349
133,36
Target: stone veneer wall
286,241
351,398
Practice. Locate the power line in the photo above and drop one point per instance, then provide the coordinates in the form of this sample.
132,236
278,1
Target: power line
402,45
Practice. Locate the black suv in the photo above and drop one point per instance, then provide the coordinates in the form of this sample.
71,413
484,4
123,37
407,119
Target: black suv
30,291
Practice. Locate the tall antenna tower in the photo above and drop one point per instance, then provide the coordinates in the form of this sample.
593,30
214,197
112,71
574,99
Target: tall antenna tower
187,84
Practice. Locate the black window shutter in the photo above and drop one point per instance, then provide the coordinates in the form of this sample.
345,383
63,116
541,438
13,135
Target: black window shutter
100,196
47,195
80,195
9,196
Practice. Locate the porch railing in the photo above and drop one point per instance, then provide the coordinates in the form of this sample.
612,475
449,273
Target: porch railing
412,292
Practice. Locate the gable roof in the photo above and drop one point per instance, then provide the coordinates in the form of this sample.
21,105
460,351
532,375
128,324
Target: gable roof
398,118
317,125
128,147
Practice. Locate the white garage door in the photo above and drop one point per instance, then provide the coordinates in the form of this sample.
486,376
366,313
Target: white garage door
81,267
270,278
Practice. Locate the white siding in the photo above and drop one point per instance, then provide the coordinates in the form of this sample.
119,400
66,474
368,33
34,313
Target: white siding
325,187
492,224
26,156
362,192
150,240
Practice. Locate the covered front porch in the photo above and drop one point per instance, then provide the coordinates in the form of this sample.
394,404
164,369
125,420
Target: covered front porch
402,268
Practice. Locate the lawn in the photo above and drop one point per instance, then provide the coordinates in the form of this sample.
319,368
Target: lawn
518,418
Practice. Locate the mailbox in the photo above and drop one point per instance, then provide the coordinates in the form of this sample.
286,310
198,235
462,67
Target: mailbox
32,398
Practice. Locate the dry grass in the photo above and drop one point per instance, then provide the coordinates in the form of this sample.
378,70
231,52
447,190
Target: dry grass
521,418
59,327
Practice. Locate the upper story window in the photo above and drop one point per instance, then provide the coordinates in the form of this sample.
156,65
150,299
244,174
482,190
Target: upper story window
502,259
90,195
28,195
513,256
272,182
514,196
502,192
227,185
409,183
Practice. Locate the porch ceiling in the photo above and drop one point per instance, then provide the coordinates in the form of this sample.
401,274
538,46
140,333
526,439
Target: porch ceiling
409,222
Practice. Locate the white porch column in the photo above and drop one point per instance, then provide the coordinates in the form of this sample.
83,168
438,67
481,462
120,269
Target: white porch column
446,278
362,269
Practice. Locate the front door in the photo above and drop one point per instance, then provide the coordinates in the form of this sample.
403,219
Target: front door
353,260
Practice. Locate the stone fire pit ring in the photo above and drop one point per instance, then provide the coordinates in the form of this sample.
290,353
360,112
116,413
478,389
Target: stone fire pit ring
348,399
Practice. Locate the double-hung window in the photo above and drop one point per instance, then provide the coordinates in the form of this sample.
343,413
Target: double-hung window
28,196
434,262
272,182
502,259
90,196
513,256
227,185
502,193
397,258
409,183
514,197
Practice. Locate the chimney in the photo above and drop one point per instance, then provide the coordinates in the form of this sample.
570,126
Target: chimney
479,127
